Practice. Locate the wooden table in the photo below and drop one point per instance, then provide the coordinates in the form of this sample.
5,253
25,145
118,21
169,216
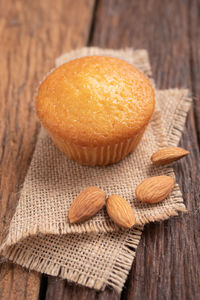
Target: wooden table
32,35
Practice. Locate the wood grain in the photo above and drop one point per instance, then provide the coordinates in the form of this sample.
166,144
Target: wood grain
16,283
194,34
32,35
62,290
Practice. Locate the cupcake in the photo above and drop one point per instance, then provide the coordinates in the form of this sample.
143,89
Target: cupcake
95,108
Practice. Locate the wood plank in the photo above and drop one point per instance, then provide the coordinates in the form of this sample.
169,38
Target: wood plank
194,34
62,290
32,35
16,283
167,263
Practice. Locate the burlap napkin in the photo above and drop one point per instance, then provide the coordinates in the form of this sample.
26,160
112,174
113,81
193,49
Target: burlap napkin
37,236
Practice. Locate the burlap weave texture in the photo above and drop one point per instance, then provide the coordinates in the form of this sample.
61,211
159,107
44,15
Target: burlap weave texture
53,181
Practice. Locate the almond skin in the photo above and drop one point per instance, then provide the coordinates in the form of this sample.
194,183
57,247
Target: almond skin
86,204
168,155
120,211
154,189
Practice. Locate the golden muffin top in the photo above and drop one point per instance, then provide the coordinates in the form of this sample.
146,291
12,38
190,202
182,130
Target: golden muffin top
95,100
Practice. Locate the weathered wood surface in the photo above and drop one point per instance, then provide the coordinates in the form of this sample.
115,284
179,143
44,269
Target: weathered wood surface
32,35
167,264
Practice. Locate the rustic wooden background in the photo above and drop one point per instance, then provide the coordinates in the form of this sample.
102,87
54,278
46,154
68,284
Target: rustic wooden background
32,35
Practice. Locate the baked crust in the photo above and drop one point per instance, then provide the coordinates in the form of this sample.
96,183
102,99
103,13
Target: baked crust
95,101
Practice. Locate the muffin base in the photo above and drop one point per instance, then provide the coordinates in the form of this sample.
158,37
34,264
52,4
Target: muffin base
98,156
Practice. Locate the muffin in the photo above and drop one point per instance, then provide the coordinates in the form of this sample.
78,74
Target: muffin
95,108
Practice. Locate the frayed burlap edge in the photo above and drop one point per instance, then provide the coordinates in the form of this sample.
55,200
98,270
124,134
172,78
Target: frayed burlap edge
115,280
179,118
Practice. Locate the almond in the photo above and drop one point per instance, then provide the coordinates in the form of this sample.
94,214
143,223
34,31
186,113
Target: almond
120,211
86,204
168,155
154,189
